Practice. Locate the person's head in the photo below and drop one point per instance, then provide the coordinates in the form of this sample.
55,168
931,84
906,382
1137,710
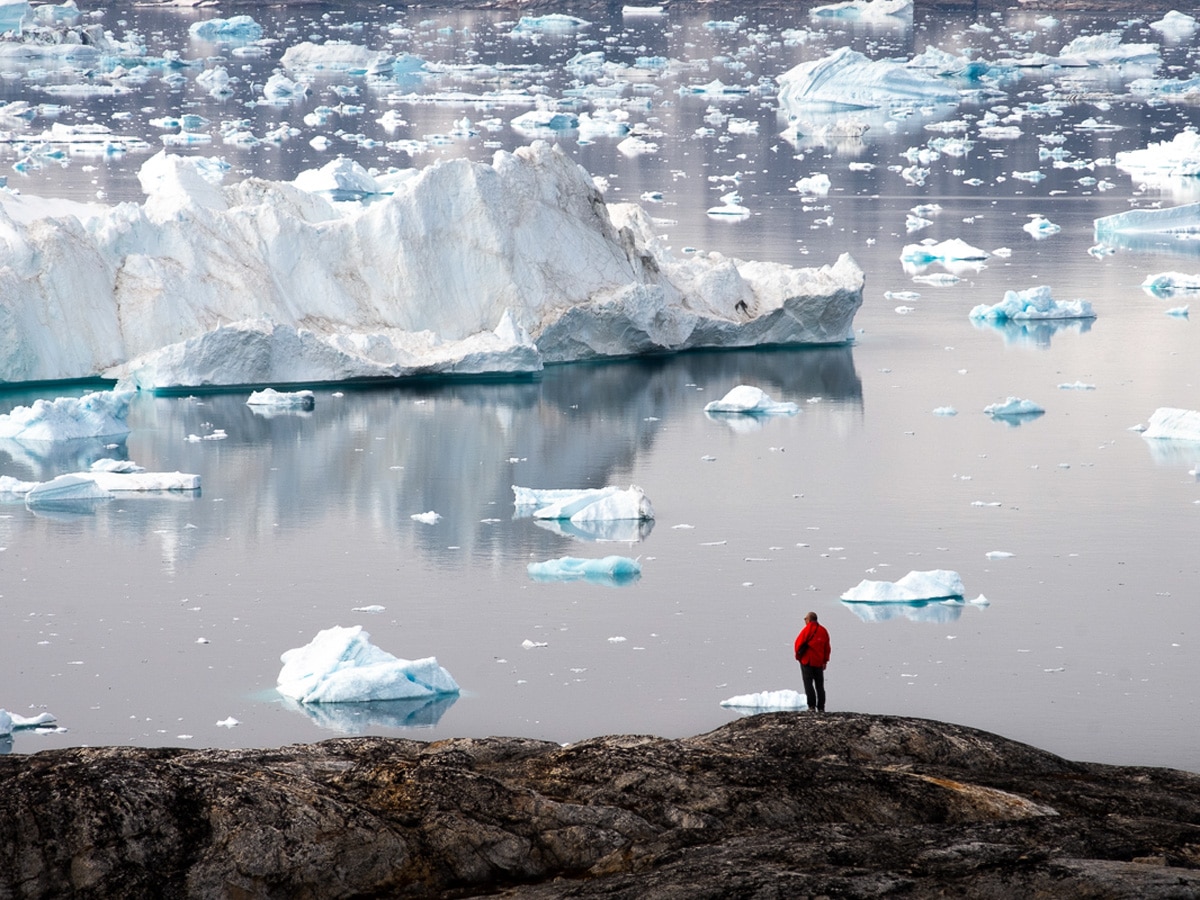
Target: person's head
810,617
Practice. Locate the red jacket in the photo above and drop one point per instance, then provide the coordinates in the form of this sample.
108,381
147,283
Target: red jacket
817,653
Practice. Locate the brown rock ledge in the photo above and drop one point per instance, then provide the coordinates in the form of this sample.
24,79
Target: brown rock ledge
772,806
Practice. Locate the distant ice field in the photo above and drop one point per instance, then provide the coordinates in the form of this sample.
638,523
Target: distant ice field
150,619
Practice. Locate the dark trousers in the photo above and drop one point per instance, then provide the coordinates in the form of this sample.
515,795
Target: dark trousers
814,686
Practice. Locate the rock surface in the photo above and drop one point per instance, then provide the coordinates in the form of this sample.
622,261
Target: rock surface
776,805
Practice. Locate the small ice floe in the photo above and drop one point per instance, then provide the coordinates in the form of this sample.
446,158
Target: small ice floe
230,722
934,584
1013,408
235,28
527,644
1179,312
552,23
612,571
585,504
1040,227
642,10
1170,424
730,208
269,397
636,145
767,701
956,255
748,400
341,665
97,414
426,518
1030,304
814,185
536,122
999,554
1175,26
1076,386
1168,284
67,492
373,608
945,411
10,722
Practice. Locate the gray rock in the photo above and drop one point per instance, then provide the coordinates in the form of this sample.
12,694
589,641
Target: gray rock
777,805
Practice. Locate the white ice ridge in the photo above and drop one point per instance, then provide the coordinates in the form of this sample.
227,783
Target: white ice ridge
749,400
584,505
846,79
341,665
96,414
466,268
768,700
1172,424
934,584
1033,303
10,722
610,570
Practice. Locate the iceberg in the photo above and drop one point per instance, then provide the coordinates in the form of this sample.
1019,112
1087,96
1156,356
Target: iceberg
1179,156
1175,25
1035,303
341,665
552,23
334,56
953,250
581,506
10,722
846,79
236,28
865,10
748,400
1172,424
96,414
1107,50
1014,407
934,584
287,399
765,701
466,269
612,571
1168,284
74,491
13,14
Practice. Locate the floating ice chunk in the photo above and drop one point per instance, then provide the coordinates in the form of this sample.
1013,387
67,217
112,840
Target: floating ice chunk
1179,312
730,208
945,411
66,490
749,400
848,79
635,145
340,179
934,584
1168,284
578,506
341,665
767,700
13,14
1168,423
236,28
865,10
1175,220
553,23
1014,407
1076,386
527,644
542,120
999,554
1175,25
427,518
286,399
1179,156
230,722
97,414
10,722
144,482
814,185
951,251
1107,50
1040,227
609,570
1030,304
642,10
336,56
280,88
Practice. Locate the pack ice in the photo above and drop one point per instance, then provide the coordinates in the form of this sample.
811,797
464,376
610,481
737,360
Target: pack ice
466,268
341,665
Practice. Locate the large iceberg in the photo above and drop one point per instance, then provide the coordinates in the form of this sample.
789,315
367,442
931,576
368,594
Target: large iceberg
341,665
467,268
1179,156
589,504
935,584
96,414
846,79
1172,424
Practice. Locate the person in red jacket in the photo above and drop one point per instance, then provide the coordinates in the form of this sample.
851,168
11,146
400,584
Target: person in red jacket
812,652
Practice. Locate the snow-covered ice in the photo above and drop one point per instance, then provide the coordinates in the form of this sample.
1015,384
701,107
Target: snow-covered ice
95,414
765,701
341,665
746,399
934,584
1030,304
608,570
466,268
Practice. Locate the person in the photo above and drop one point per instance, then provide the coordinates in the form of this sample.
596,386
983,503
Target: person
812,652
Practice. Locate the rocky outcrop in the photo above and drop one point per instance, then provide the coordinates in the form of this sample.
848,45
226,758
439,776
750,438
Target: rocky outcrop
777,805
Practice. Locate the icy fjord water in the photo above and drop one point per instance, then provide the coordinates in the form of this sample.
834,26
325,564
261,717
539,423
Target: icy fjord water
147,620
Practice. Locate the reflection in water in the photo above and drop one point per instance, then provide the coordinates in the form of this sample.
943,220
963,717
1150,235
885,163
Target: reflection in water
625,531
358,718
44,460
1033,333
1174,453
937,611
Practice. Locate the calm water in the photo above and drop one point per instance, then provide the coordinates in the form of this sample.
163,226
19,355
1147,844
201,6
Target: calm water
147,620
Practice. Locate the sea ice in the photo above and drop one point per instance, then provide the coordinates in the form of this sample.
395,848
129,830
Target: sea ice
609,570
96,414
749,400
765,701
341,665
1033,303
1013,407
467,268
935,584
587,505
1172,424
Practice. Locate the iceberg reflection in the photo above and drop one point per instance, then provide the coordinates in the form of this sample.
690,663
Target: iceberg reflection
358,718
936,611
